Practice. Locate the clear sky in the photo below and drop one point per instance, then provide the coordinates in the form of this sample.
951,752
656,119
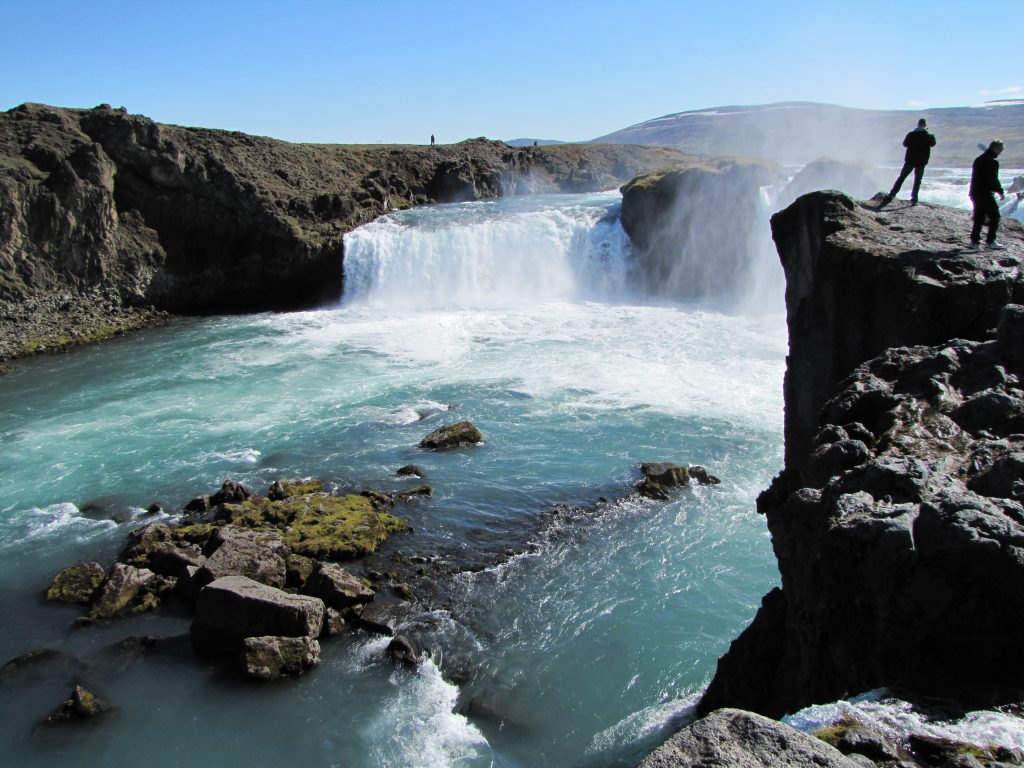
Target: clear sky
373,70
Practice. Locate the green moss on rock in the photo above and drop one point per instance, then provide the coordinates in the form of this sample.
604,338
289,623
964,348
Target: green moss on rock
77,583
338,527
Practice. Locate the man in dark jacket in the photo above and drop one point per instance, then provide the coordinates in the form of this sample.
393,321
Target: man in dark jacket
984,185
919,143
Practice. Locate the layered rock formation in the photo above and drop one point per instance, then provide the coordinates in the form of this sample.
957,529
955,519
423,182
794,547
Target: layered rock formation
695,225
105,210
898,521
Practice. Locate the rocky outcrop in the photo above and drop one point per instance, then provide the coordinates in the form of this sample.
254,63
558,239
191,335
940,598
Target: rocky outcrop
452,436
694,225
731,737
111,214
77,583
898,522
80,705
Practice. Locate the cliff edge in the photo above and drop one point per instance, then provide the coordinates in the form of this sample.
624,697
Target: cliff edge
898,521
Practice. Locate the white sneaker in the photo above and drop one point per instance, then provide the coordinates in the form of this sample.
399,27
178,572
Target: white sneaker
997,246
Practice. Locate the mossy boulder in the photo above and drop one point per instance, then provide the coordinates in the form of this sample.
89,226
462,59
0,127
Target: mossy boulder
231,492
285,489
120,592
337,527
77,583
452,436
297,570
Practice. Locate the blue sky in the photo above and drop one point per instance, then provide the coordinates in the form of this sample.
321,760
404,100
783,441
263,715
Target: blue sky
398,71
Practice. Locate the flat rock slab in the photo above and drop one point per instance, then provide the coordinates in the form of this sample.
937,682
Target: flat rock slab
738,739
233,608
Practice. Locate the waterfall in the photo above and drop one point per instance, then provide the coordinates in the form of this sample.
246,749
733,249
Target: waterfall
504,253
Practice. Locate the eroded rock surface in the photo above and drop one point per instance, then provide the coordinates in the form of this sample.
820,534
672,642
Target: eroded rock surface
898,522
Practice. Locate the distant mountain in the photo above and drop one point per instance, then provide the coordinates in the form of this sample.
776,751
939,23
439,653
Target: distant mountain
798,132
530,142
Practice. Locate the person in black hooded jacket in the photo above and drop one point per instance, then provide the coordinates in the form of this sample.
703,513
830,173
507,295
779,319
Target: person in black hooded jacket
919,143
984,185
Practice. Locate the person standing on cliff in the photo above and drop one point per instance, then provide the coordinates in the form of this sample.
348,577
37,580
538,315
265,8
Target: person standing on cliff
919,143
984,185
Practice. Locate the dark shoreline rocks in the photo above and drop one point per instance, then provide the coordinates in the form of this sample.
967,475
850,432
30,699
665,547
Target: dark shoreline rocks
897,522
109,221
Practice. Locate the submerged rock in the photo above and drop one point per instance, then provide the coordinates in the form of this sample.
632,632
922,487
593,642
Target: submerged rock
405,650
738,739
410,470
233,608
80,705
452,436
77,583
269,657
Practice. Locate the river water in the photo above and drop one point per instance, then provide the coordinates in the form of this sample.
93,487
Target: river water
576,624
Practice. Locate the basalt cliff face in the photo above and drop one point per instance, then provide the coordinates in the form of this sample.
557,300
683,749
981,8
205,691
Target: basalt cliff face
898,521
110,211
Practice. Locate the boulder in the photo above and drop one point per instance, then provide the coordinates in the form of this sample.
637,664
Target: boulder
258,555
285,489
410,470
452,436
660,477
231,492
336,587
233,608
158,547
270,658
80,705
119,592
197,505
298,570
738,739
77,583
702,476
405,650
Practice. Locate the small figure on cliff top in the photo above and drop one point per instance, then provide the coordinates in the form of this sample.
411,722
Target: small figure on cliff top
919,143
431,139
984,185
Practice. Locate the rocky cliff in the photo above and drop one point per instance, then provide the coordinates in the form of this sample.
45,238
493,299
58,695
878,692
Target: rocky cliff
898,521
102,211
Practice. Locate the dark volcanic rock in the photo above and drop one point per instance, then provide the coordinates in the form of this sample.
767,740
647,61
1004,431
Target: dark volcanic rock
234,608
897,523
452,436
859,281
231,492
730,737
286,489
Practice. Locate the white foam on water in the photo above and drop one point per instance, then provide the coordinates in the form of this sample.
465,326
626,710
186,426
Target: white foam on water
60,520
899,719
644,724
416,725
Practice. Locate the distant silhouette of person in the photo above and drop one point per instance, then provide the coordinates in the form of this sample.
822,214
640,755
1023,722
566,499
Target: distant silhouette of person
431,139
535,143
919,143
984,185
